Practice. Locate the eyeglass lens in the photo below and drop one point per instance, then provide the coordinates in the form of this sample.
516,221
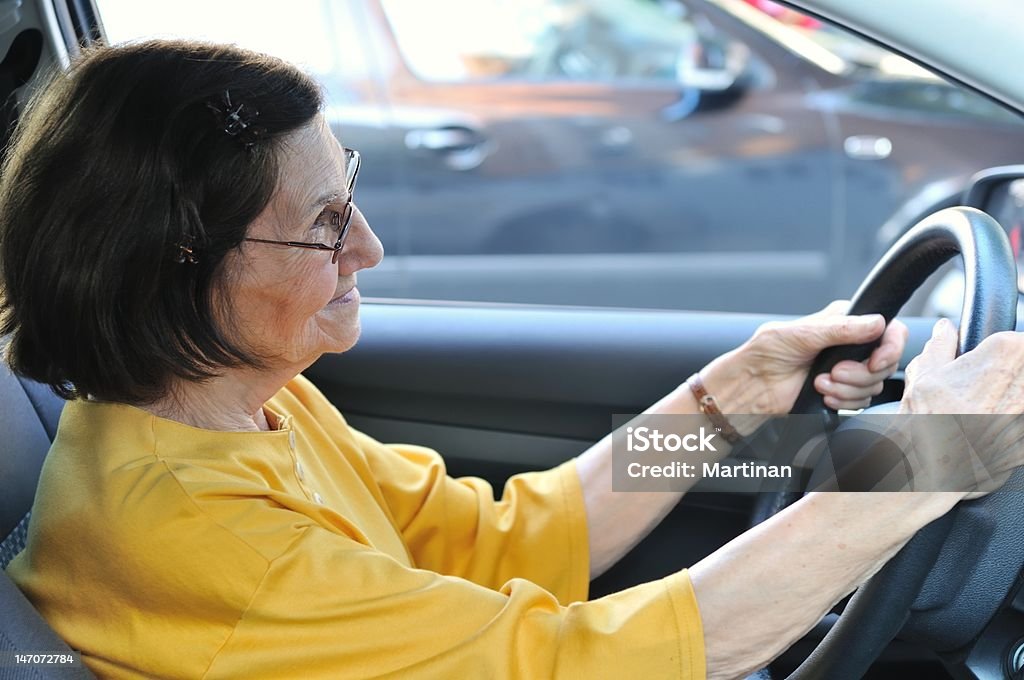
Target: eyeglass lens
352,161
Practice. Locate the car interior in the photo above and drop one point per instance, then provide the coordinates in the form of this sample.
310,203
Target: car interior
500,389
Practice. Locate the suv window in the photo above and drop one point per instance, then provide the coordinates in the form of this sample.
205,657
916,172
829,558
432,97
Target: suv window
699,154
596,40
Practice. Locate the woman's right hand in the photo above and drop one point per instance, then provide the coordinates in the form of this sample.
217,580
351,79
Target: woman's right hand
986,383
989,379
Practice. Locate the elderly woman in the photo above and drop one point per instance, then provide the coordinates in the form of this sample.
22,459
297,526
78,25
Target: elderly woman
179,241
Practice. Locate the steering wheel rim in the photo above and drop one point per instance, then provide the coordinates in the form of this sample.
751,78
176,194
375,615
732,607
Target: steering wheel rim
878,610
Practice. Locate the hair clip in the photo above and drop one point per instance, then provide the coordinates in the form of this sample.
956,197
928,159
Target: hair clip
237,121
185,252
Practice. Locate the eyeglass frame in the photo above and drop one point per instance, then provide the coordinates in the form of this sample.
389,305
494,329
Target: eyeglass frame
352,161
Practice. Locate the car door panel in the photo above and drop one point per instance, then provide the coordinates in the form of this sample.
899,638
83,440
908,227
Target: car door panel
549,371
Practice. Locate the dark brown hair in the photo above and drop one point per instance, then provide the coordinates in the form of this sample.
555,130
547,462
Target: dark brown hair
115,164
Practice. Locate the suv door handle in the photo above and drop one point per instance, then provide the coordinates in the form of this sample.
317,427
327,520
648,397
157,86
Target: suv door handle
461,148
442,139
867,147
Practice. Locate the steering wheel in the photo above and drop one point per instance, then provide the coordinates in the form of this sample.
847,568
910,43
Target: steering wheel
925,591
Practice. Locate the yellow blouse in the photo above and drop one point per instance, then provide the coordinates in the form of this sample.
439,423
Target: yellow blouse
313,551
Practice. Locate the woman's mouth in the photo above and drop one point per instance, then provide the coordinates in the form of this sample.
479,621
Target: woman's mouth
349,296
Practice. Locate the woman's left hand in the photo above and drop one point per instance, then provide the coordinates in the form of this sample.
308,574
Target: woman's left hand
778,358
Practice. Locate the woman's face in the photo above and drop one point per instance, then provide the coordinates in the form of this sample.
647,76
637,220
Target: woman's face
291,304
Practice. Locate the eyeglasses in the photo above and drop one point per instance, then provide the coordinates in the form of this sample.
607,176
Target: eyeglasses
342,220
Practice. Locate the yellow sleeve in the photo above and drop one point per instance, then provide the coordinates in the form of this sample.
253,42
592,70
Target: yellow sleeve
332,608
537,531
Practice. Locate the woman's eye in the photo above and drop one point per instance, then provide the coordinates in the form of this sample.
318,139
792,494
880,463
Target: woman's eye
328,219
323,220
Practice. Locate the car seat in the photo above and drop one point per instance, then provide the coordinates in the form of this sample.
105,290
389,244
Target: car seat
31,412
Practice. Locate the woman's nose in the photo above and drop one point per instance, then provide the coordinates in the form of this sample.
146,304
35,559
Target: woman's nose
362,250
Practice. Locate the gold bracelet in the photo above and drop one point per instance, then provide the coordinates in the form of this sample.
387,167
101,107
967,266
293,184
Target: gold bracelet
709,407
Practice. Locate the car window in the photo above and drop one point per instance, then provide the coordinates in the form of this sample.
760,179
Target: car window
690,154
597,39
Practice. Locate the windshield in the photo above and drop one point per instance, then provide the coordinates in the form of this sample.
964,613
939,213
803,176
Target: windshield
884,78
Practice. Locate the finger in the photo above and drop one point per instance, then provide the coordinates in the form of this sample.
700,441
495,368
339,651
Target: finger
890,351
857,374
846,392
940,349
822,332
837,404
